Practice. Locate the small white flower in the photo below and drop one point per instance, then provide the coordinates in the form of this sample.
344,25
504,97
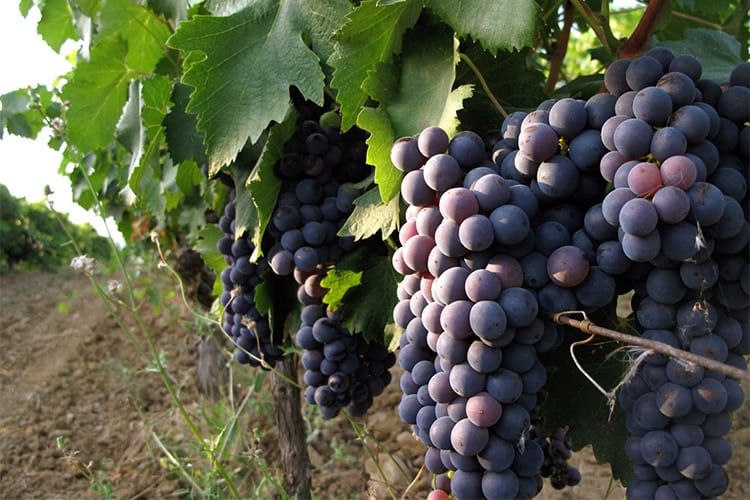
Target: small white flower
83,264
113,287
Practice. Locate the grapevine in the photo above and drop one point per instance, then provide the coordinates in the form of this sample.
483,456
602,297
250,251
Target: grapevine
380,183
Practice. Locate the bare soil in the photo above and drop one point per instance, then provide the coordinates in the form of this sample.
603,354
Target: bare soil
76,375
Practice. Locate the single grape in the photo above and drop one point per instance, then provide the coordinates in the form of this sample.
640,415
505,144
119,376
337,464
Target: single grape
432,141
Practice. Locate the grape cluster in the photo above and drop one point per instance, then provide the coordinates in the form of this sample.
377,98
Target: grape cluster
680,207
317,170
556,449
472,333
250,331
642,190
341,369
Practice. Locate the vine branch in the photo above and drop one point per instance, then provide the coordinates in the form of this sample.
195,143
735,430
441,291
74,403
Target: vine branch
599,24
637,43
561,48
586,326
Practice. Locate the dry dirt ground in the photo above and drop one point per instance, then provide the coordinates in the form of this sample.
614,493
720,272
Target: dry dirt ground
68,370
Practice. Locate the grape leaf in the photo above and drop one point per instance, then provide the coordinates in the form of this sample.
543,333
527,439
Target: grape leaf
381,82
371,35
251,59
129,131
24,6
56,23
154,97
387,176
263,183
502,24
247,215
368,308
97,93
718,52
174,11
428,71
208,238
424,97
88,7
338,282
371,215
144,33
183,138
157,91
18,115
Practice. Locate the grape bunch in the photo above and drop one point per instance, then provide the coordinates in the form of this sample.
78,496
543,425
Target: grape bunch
317,170
341,369
640,190
680,208
249,330
557,450
472,333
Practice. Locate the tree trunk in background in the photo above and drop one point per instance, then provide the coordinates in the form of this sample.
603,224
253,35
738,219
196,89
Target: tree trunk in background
295,462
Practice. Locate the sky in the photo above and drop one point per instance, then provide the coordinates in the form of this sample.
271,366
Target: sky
26,165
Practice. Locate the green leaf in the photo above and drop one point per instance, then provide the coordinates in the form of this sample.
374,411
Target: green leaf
424,97
56,23
718,52
428,71
24,6
382,82
156,101
174,11
371,36
145,33
17,116
338,282
183,138
263,298
371,215
369,307
189,177
251,59
246,219
501,24
208,238
387,176
453,104
129,131
263,184
97,93
88,7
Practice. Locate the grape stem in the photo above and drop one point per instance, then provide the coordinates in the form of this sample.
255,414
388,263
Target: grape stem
483,82
586,326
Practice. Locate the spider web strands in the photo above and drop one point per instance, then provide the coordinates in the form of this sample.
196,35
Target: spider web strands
586,326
